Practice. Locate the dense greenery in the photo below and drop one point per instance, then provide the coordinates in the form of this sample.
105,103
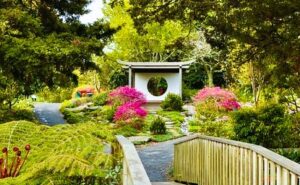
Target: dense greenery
172,102
158,126
268,126
42,43
64,154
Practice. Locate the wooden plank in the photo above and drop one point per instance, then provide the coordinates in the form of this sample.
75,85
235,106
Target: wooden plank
136,171
285,177
294,179
278,174
254,169
266,171
272,174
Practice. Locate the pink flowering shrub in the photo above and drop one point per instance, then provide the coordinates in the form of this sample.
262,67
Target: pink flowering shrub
218,98
129,110
128,102
126,94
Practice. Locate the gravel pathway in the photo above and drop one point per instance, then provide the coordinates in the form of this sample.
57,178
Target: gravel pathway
157,159
48,113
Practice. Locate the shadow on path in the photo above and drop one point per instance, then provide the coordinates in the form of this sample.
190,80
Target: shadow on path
48,113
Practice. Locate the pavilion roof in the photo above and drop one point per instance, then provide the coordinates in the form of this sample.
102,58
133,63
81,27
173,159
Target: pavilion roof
156,65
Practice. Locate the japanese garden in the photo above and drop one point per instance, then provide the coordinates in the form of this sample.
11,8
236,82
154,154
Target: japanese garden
157,92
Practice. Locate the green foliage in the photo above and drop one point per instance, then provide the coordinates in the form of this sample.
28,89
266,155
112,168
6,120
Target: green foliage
100,99
63,154
162,137
268,126
39,48
208,111
213,128
172,102
126,130
72,117
187,94
55,94
76,102
174,116
108,113
158,126
22,110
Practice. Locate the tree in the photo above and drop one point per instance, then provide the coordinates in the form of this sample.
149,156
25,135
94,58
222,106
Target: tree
159,42
42,43
265,34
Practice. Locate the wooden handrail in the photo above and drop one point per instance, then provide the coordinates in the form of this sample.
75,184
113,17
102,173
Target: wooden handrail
234,162
133,169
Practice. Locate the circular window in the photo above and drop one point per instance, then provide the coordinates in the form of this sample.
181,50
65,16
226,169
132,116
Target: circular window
157,86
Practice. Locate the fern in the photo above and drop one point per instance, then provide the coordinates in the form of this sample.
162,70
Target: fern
69,152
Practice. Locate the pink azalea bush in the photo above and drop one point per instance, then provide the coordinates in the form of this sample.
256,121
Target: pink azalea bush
222,99
126,94
129,110
128,102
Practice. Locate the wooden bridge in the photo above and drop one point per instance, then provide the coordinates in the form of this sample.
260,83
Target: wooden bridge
205,160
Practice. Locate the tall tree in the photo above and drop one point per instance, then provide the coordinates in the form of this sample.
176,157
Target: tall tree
42,43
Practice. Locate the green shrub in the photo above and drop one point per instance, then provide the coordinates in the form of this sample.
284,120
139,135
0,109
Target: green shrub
172,102
72,117
100,99
126,130
213,128
22,110
108,113
174,116
76,102
158,126
55,94
207,111
187,94
268,126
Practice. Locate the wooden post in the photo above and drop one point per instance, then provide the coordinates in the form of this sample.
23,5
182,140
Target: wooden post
180,81
130,77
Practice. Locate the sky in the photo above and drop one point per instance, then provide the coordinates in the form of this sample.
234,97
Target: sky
95,12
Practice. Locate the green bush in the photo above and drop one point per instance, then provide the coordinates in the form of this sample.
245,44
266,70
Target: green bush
22,110
72,117
55,94
213,128
108,113
187,94
268,126
158,126
172,102
100,99
76,102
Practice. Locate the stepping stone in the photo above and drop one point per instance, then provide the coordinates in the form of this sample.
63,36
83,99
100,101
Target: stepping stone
142,139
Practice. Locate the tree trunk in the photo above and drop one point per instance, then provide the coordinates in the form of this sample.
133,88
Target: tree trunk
210,76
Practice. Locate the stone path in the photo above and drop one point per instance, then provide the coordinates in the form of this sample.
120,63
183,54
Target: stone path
48,113
157,159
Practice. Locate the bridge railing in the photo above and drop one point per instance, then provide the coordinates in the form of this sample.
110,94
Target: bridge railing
133,169
208,160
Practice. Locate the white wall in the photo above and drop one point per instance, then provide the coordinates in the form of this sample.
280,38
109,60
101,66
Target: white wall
173,80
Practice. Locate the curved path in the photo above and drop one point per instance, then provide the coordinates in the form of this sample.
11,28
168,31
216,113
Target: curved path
48,113
157,159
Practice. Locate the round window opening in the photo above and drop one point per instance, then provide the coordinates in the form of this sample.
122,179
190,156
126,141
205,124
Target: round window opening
157,86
